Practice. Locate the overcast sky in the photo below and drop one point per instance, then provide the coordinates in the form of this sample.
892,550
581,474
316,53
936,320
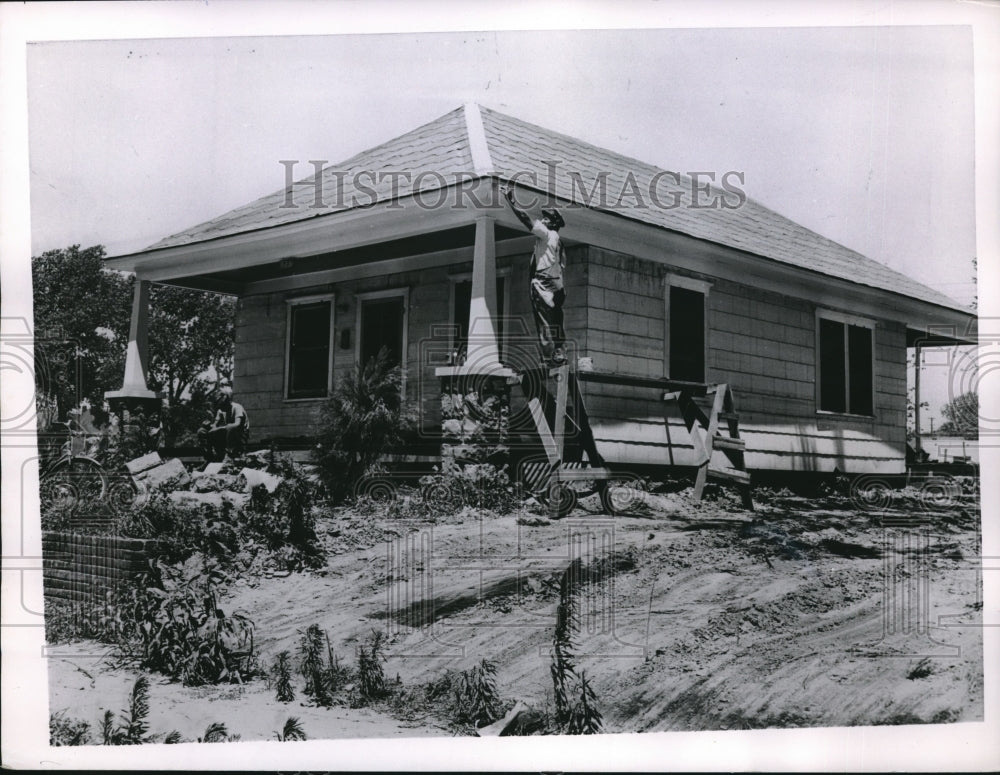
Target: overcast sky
864,135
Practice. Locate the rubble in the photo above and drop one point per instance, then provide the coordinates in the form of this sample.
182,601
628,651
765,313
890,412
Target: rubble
250,478
153,472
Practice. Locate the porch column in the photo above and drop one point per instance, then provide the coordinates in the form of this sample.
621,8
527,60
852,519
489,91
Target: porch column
137,355
483,353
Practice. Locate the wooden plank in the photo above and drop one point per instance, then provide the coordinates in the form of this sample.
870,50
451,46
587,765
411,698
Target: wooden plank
562,386
607,378
582,474
727,443
727,474
542,426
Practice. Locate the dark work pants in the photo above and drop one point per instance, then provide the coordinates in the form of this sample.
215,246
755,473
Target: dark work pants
549,320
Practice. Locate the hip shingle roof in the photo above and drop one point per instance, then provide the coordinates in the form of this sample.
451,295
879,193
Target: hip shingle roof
444,151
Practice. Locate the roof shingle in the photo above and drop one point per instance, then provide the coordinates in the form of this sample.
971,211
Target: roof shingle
444,149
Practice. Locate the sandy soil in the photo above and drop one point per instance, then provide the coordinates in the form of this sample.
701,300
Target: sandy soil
693,616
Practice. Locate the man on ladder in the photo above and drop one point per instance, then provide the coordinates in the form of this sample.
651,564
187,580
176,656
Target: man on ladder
547,291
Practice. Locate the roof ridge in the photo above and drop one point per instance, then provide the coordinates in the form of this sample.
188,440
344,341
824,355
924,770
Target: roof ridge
482,162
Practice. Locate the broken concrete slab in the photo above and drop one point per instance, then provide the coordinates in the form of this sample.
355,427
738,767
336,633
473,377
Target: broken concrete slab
520,720
168,474
144,463
213,482
214,499
251,477
210,469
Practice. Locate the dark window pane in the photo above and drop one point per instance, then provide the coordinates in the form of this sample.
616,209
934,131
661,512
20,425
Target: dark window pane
460,314
687,335
382,326
859,350
309,350
832,396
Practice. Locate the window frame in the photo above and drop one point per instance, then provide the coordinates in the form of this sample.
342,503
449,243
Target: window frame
690,284
359,299
845,320
290,304
459,277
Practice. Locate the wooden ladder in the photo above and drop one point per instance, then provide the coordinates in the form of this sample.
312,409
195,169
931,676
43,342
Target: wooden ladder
705,444
568,409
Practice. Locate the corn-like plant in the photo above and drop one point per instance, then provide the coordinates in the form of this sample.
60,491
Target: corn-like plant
371,674
134,728
282,673
217,732
312,666
576,713
292,730
477,700
584,716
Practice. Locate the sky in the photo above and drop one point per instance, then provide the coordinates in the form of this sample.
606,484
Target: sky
864,135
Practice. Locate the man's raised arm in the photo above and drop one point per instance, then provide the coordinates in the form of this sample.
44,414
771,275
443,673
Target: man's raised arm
521,215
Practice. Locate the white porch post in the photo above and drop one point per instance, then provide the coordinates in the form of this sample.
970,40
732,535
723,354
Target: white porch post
483,351
137,354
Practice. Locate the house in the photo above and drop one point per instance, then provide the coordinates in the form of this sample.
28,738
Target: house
409,246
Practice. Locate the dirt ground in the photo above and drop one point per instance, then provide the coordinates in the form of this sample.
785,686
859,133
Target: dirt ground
694,616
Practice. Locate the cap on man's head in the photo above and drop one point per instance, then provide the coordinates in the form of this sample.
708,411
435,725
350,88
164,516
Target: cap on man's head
553,215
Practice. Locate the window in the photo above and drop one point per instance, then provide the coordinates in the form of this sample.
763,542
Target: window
685,338
308,349
461,301
382,323
846,364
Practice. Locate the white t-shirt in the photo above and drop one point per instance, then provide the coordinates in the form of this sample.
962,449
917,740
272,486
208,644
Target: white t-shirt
547,259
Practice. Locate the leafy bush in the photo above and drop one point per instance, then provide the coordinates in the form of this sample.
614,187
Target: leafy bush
67,731
184,634
364,417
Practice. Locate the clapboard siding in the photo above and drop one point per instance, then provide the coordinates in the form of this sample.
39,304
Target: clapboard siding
258,379
764,345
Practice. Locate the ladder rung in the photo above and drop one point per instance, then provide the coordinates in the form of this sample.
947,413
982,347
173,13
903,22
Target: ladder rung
582,474
725,442
730,475
729,416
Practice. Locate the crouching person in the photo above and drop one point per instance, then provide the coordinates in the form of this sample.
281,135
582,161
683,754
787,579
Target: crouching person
227,434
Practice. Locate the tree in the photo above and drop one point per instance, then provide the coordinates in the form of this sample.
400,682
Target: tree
81,315
190,336
84,308
961,416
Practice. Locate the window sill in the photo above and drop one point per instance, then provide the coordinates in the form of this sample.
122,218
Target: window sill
825,415
303,400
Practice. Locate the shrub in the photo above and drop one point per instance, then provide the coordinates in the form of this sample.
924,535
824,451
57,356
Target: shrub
363,418
184,634
67,731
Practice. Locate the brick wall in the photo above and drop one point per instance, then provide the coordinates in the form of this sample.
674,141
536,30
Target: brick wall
82,568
